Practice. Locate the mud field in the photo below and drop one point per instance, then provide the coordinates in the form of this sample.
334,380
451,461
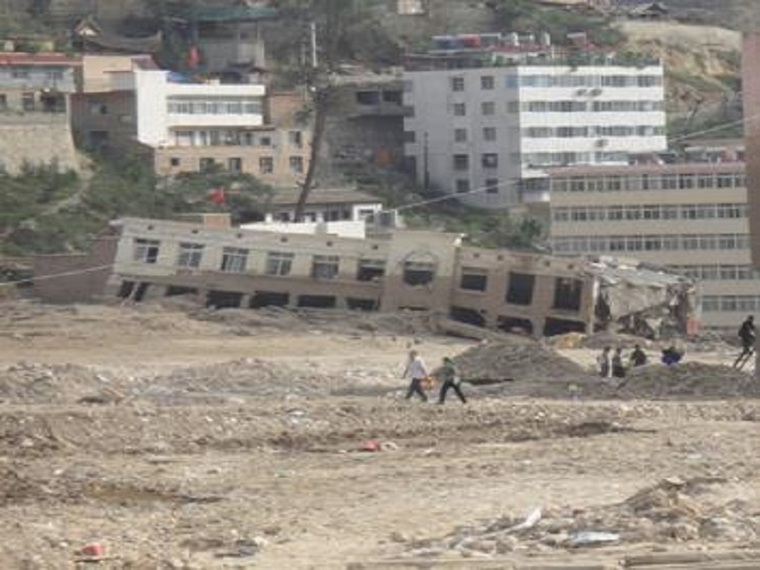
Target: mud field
163,436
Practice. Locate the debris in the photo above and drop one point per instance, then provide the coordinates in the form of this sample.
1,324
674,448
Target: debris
592,538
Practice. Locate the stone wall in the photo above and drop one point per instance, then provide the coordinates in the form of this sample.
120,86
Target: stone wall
38,139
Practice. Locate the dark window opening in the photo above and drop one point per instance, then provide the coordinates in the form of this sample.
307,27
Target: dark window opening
269,299
368,97
554,327
370,270
133,291
474,281
361,304
515,325
520,291
223,299
394,97
175,291
469,316
317,301
567,294
418,273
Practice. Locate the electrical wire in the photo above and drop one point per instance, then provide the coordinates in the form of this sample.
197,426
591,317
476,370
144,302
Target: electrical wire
55,275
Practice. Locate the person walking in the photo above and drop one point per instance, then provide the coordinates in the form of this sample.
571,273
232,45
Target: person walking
417,371
604,362
618,370
747,336
450,379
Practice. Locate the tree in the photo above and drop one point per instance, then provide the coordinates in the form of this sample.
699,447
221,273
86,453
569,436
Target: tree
328,29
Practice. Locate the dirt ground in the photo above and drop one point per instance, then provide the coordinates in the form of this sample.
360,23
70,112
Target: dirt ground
177,438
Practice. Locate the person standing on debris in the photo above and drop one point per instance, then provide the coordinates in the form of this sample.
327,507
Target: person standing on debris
747,336
417,371
604,362
618,370
671,355
450,379
638,357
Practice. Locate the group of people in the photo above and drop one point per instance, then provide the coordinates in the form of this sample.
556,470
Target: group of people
447,375
612,364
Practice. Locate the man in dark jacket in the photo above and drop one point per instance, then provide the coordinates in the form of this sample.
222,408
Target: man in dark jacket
449,377
747,336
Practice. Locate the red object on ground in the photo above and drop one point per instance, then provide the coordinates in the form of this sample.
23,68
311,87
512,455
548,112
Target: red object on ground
370,445
94,550
218,196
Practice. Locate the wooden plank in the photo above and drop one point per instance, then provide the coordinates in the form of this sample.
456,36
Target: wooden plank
661,558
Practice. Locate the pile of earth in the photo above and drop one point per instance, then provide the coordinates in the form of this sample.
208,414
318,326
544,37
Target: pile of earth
26,383
674,510
529,368
692,379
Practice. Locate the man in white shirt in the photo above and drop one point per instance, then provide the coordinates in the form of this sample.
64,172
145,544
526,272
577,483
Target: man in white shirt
417,371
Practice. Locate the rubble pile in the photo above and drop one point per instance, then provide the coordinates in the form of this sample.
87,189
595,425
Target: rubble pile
690,379
673,510
32,383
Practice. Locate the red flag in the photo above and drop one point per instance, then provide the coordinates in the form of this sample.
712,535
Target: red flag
218,196
193,57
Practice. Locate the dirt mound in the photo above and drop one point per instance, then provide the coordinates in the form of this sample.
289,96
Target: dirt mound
671,511
47,384
692,379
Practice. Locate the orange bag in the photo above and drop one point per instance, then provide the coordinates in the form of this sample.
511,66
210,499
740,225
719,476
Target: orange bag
428,383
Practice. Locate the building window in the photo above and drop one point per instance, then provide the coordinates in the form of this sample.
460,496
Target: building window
457,83
370,269
567,294
174,161
490,160
487,82
520,288
488,108
462,186
265,141
27,101
206,164
190,255
146,250
473,279
296,164
279,263
235,164
234,260
20,73
266,165
96,108
492,186
460,109
461,162
460,135
295,138
410,136
418,272
325,266
489,133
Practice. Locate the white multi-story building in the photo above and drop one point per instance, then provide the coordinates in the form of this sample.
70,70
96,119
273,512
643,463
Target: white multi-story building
488,132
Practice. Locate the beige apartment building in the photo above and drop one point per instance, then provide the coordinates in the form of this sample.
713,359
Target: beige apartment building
396,270
690,217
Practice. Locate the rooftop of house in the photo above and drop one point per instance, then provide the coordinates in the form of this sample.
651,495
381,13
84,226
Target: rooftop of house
46,59
323,196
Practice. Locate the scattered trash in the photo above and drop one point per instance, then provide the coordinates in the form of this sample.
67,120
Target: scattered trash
370,445
94,550
592,538
530,521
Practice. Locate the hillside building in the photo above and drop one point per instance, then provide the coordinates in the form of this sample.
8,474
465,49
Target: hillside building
691,217
488,126
188,125
35,91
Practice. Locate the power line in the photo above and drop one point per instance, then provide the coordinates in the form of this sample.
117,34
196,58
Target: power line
55,275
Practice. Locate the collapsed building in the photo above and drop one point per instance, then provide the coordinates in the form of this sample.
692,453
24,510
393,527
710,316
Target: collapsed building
388,269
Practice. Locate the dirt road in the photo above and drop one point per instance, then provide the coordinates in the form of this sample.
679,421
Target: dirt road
181,440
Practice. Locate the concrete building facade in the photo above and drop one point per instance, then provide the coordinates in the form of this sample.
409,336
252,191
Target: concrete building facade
488,133
692,218
190,126
414,270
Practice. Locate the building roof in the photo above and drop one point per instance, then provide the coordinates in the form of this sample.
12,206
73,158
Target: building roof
289,196
43,59
89,31
241,13
679,168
